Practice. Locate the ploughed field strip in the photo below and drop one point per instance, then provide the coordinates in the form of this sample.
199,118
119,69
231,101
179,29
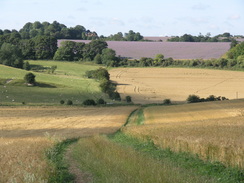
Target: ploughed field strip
26,132
153,85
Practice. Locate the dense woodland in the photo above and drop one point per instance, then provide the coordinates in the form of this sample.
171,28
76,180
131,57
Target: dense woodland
39,41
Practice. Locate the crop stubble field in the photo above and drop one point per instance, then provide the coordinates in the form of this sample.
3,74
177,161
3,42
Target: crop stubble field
25,132
153,85
213,130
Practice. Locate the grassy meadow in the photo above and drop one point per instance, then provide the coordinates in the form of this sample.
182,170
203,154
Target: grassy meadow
66,83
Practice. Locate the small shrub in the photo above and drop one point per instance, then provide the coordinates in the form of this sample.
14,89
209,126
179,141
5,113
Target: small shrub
89,102
128,99
101,101
62,102
23,103
30,78
167,101
69,102
114,96
193,99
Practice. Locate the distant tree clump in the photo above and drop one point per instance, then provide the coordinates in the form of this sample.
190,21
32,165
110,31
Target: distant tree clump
195,98
225,37
130,36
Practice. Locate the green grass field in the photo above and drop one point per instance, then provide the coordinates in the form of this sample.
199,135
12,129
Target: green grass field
66,83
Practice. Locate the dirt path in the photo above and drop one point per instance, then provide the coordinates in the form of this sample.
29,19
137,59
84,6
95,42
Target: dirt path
80,177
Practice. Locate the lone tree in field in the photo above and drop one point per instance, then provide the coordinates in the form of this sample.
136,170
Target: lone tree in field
30,78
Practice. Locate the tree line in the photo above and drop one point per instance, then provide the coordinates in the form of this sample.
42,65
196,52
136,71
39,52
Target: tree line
55,29
225,37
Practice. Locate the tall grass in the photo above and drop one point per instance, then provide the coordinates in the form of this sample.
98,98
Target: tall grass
213,130
124,159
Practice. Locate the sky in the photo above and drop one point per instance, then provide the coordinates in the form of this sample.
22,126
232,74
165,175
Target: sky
149,17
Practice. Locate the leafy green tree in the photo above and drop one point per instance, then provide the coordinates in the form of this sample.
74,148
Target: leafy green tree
28,48
27,66
65,51
132,36
236,51
108,55
11,55
158,60
98,59
30,78
93,48
45,47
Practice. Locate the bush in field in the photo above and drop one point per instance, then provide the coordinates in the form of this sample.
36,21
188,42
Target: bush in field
62,102
30,78
128,99
89,102
193,99
101,101
114,95
69,102
167,101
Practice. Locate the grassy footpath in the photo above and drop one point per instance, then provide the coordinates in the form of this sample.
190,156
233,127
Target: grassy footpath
120,158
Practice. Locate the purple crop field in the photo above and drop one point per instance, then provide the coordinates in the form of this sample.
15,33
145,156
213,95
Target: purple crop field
176,50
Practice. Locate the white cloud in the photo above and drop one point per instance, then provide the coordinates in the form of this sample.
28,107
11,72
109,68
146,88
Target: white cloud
116,21
234,17
200,6
81,9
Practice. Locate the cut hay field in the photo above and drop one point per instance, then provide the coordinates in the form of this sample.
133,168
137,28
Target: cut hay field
153,85
212,130
175,50
25,132
67,83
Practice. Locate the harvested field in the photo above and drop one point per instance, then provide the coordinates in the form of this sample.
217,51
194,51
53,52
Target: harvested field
176,50
25,132
153,85
213,130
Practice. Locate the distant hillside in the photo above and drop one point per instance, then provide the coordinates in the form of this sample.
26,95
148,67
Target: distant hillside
176,50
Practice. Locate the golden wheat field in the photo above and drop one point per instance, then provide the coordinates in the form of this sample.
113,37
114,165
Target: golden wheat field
153,85
25,133
213,130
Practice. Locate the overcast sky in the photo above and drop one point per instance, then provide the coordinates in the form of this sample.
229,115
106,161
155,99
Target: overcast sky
149,17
